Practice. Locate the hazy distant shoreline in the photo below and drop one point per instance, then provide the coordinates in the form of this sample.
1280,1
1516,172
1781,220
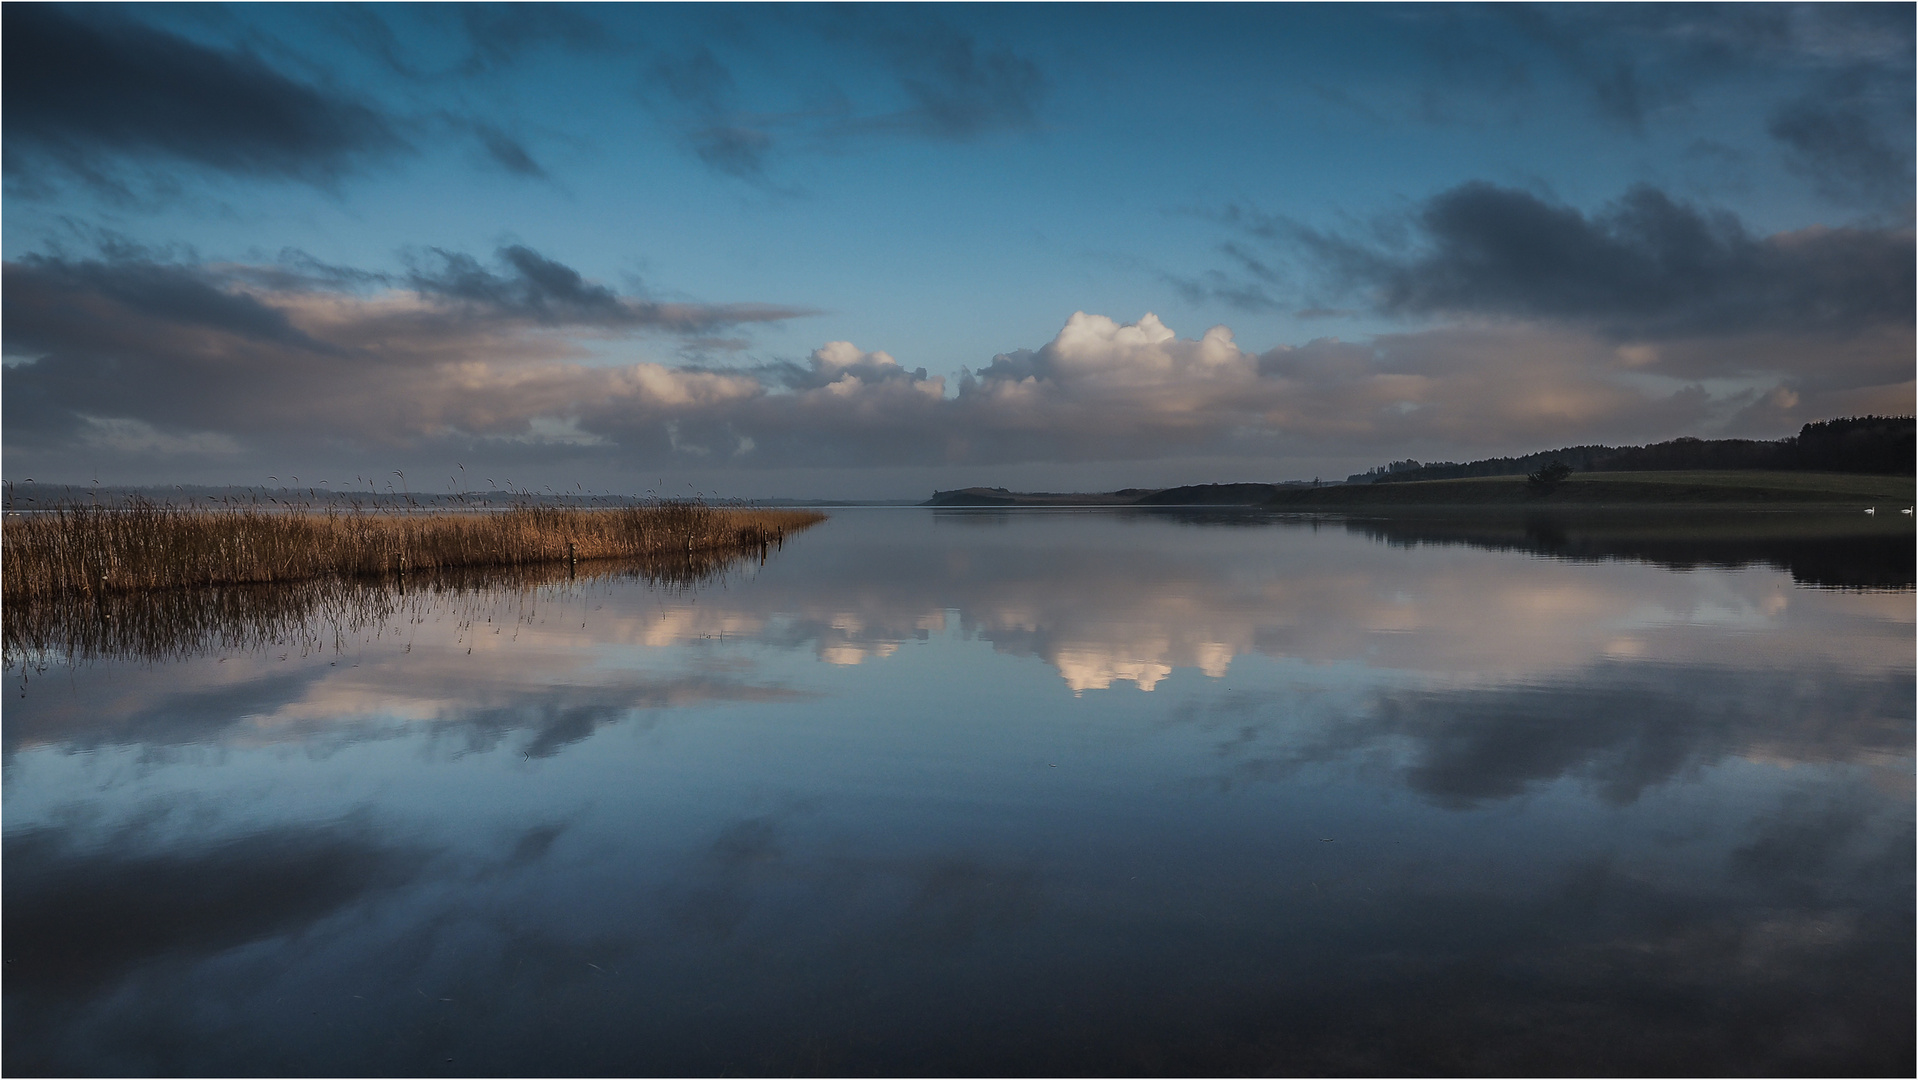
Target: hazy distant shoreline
1724,488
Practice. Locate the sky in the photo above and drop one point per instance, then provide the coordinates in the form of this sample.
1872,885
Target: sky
870,251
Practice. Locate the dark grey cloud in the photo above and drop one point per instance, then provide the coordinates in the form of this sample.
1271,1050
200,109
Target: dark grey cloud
494,36
1621,88
54,302
947,84
49,297
89,92
176,347
1634,62
499,34
1255,283
728,138
509,152
960,87
734,149
1836,134
526,284
1646,265
696,77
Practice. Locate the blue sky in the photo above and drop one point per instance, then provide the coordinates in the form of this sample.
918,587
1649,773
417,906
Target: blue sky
866,251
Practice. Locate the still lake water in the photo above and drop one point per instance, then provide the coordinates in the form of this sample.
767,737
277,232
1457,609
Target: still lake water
1032,792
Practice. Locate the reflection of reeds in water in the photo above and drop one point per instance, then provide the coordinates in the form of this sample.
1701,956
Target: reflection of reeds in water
87,551
169,624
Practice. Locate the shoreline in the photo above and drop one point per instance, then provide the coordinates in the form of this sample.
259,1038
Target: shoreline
1727,489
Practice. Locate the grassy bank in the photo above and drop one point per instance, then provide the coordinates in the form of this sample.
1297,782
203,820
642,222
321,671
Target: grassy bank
1729,488
85,550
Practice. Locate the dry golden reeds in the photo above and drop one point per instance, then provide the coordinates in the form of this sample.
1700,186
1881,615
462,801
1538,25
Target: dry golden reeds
83,551
170,624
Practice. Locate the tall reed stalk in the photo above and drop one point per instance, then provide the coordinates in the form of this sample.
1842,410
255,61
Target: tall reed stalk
83,551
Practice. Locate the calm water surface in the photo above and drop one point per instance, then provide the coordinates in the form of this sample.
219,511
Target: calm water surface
1035,792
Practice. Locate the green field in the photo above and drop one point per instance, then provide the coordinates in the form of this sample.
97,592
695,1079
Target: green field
1735,488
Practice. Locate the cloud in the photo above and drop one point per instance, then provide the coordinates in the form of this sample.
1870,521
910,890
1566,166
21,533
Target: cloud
724,137
697,78
1102,389
1645,266
92,94
188,348
509,152
1635,64
843,364
1819,319
1832,135
733,150
495,36
132,356
499,34
958,87
1613,73
529,286
905,76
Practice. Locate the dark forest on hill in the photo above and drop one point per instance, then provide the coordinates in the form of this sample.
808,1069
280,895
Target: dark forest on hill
1883,445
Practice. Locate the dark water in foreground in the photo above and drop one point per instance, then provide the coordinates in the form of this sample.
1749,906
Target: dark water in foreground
1032,792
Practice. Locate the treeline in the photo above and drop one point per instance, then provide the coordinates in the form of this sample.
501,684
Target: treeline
1884,445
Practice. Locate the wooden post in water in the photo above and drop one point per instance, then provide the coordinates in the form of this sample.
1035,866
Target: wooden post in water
572,559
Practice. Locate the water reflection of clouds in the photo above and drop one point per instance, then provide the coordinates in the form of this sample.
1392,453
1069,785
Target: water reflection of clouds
1616,737
1104,607
764,945
1136,616
79,919
819,887
253,702
741,886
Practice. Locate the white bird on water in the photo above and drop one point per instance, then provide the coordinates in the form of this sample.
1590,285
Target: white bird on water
1871,509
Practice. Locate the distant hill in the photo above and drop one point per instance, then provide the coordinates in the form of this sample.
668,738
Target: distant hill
1882,445
1655,487
1812,466
1669,487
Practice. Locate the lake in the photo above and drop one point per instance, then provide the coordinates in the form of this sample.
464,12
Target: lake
1048,792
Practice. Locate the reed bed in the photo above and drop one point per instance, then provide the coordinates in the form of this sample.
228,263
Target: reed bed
81,551
175,624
